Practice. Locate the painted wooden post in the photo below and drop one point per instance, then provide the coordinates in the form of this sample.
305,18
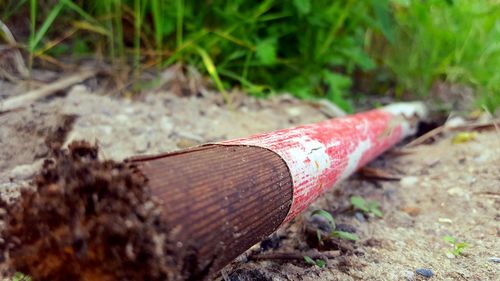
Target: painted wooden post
222,198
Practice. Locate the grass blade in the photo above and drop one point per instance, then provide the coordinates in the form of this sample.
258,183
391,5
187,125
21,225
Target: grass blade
212,71
45,26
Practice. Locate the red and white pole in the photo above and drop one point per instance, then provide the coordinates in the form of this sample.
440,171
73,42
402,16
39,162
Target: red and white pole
245,189
319,155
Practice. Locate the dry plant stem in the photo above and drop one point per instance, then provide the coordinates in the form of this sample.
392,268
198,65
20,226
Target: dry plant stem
18,58
441,129
295,255
44,91
377,174
478,126
423,138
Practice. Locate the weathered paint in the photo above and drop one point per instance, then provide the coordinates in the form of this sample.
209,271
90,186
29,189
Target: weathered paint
321,154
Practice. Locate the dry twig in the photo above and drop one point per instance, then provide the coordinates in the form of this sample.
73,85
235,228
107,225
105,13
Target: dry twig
44,91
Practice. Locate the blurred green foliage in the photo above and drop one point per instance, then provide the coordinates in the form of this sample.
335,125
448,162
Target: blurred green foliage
456,41
309,48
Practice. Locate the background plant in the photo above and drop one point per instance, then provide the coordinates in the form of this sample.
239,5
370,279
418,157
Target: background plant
339,50
455,41
309,48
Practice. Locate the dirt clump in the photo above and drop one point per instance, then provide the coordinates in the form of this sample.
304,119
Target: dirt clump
87,220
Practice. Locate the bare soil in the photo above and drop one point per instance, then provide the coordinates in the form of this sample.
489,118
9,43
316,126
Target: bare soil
87,220
445,188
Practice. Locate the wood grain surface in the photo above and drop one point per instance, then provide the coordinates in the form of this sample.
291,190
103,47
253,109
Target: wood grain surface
220,200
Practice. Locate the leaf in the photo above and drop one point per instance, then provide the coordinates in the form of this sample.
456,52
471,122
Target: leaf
449,239
464,137
91,27
326,215
345,235
212,70
377,212
358,56
461,246
302,6
338,85
309,260
18,276
359,203
45,26
320,263
384,18
373,207
266,51
318,235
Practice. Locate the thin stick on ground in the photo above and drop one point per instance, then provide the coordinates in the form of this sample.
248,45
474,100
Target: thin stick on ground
425,137
17,57
295,255
44,91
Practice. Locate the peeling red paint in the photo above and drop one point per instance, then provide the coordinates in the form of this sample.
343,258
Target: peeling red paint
321,154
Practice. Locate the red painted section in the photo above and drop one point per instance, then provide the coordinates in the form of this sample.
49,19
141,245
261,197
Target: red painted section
321,154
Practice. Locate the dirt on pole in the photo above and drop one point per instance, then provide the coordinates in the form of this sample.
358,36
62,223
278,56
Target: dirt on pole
185,215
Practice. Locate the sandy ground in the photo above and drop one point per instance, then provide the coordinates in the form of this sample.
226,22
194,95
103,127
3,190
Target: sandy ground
445,188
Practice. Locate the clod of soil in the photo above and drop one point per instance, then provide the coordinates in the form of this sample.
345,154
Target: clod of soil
87,220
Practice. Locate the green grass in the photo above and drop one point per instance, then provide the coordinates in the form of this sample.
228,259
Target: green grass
313,49
455,41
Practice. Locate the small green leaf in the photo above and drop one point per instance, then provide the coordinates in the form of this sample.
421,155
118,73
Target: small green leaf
460,247
309,260
326,215
266,51
212,70
320,263
359,203
345,235
18,276
373,207
302,6
318,235
377,212
449,239
464,137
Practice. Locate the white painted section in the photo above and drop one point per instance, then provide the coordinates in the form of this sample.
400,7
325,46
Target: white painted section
407,109
354,158
313,150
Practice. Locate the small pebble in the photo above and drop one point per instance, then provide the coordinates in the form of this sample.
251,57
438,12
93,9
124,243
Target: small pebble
408,181
360,217
346,228
409,276
495,259
271,242
426,272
